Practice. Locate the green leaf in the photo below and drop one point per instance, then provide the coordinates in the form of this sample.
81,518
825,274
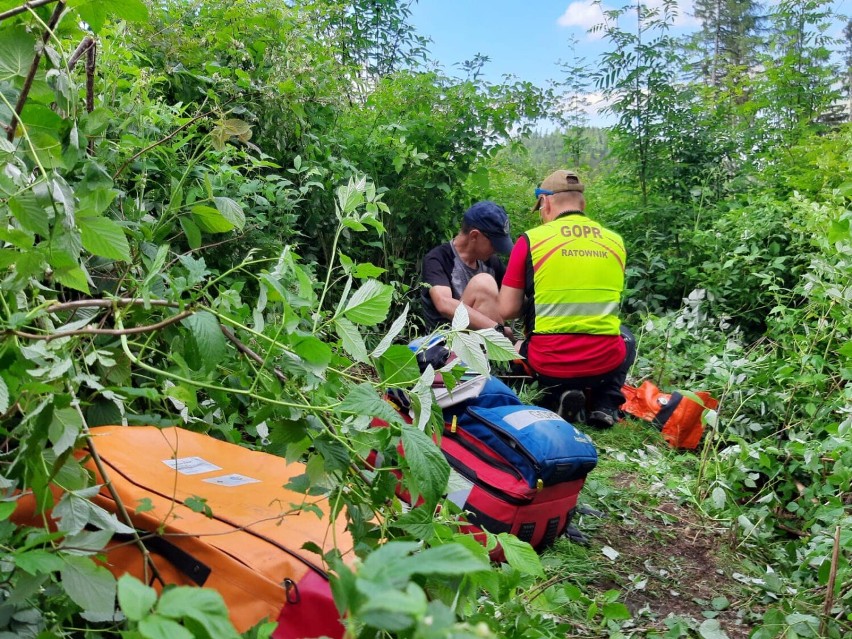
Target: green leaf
104,238
6,509
429,468
231,211
846,349
395,329
39,118
468,346
351,196
351,339
498,346
202,605
135,598
64,429
720,603
192,232
364,400
366,270
157,264
96,201
157,627
370,304
520,555
16,54
96,12
38,561
199,505
208,336
449,559
4,396
398,366
392,610
839,231
312,350
210,220
616,611
90,586
711,629
30,214
71,275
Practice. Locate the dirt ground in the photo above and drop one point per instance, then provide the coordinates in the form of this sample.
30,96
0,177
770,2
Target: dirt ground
670,562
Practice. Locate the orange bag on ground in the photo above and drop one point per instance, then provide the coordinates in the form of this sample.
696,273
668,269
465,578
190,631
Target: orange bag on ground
249,549
677,416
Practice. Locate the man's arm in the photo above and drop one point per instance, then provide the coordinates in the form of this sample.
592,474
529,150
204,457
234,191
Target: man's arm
510,301
446,305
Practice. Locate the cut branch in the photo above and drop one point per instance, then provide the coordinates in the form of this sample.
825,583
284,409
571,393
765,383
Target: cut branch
161,141
149,328
28,82
27,6
108,303
80,51
829,588
245,350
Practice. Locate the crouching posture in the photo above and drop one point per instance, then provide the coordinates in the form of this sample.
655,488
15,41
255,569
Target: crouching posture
565,279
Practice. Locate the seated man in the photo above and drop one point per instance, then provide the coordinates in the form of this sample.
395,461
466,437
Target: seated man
566,278
466,271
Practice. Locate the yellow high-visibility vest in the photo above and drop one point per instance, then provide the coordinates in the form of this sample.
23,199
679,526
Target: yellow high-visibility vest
578,277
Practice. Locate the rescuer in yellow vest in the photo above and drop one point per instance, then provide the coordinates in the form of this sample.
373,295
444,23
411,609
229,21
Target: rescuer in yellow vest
566,277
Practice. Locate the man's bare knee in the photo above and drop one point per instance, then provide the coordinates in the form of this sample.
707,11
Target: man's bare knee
481,285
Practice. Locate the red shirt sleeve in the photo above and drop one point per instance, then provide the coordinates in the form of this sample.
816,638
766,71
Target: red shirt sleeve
515,276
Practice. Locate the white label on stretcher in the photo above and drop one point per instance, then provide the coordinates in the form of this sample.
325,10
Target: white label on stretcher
524,418
458,489
234,479
191,465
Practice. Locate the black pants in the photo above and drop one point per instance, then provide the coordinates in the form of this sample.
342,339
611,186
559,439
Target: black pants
603,391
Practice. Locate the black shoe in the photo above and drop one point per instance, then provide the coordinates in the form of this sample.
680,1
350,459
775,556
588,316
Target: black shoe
572,406
602,418
574,535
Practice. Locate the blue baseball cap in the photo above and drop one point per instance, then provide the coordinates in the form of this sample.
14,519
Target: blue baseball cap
493,222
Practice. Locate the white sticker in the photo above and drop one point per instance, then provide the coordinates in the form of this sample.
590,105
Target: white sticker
234,479
191,465
523,418
458,489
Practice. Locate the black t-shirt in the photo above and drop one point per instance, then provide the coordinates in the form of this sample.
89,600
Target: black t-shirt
443,267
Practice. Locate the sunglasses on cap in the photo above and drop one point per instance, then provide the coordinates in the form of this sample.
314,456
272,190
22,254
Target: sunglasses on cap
539,192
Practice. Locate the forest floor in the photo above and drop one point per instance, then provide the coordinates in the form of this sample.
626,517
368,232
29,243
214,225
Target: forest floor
677,571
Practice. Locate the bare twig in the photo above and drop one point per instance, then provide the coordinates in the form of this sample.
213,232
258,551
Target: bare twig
108,303
148,328
27,6
28,82
161,141
792,531
829,588
245,350
79,51
91,57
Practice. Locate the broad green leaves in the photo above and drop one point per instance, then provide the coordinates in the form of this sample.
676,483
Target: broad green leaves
178,609
383,592
208,336
90,586
429,468
95,13
369,305
16,54
103,237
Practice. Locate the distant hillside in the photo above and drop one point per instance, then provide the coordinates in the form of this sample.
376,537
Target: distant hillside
586,148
